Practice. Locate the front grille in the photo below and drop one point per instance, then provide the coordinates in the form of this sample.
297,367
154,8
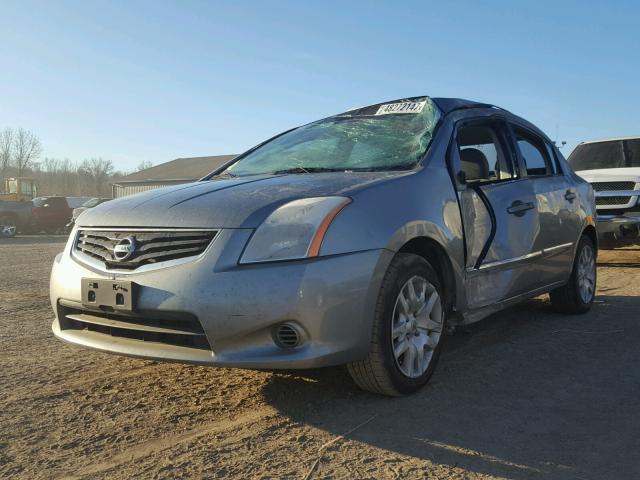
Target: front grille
149,247
612,200
178,329
612,186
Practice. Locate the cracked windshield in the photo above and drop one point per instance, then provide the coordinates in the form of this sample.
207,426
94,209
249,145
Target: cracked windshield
380,137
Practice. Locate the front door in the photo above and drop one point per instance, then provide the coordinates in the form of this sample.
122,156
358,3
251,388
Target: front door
499,213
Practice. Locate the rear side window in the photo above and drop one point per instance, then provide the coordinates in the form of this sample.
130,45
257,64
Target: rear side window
534,154
482,157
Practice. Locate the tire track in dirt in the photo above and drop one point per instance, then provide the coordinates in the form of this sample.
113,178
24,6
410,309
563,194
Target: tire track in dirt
167,442
510,399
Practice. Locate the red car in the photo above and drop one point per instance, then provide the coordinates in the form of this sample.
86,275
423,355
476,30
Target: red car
50,214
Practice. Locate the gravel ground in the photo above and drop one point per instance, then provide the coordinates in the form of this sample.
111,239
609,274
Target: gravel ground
524,394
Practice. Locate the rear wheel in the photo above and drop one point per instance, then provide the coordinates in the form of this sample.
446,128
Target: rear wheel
8,226
407,330
577,295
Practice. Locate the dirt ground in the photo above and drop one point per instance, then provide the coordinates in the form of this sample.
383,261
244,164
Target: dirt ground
524,394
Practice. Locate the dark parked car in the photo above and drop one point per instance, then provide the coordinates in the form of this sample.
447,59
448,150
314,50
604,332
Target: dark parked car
50,214
14,216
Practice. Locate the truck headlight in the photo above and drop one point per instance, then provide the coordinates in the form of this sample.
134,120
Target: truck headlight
293,231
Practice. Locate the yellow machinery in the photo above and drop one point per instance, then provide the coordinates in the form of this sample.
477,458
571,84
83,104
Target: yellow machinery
20,189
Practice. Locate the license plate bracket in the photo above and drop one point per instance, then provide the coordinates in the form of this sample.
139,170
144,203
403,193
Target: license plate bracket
108,294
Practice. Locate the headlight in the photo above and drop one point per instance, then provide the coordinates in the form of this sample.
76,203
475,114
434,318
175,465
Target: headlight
294,230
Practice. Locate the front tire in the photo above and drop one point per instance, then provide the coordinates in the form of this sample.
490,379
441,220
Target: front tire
576,297
407,329
8,227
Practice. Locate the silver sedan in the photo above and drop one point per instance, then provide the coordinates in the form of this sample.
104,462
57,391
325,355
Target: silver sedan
358,239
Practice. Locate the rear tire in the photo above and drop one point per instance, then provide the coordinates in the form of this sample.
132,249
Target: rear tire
8,226
576,297
408,327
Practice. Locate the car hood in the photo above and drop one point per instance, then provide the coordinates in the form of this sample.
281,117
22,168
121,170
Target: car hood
629,174
225,203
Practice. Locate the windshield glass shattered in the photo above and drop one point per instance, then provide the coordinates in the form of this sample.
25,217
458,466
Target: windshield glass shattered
389,136
611,154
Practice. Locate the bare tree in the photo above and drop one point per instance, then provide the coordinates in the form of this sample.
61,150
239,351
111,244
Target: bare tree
99,170
27,148
143,165
6,152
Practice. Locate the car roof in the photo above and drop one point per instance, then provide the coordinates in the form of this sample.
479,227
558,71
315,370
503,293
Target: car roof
448,105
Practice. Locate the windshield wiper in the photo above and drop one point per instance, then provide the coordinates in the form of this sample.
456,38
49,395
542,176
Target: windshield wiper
224,175
307,170
385,168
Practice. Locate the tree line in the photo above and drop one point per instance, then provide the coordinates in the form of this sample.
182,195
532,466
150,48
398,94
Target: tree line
20,156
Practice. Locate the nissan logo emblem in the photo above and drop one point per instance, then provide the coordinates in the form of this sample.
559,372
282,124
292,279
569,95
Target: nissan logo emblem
124,249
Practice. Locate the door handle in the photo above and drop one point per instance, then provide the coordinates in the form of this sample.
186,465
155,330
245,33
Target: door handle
519,208
570,195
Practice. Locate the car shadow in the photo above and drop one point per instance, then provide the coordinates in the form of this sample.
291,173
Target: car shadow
525,393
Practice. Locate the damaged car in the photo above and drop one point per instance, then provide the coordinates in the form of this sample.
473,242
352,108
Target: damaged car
358,239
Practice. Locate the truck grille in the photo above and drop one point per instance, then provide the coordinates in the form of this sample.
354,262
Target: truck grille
177,329
613,186
138,248
602,201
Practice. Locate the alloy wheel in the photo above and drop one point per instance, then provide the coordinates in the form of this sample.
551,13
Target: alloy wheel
7,229
418,318
586,274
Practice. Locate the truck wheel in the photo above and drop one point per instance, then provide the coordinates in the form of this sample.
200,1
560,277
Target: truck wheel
8,226
577,295
407,329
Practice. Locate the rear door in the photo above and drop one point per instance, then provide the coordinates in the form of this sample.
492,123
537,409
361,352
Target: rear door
500,217
556,201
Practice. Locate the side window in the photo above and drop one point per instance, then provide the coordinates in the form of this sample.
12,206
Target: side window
482,157
534,154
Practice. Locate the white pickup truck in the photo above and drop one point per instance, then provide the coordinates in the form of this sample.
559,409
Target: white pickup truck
612,167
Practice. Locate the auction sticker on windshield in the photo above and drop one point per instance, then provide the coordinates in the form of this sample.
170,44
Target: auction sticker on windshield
402,107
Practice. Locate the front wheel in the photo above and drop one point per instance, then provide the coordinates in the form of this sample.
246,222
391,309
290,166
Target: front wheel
577,295
407,329
8,227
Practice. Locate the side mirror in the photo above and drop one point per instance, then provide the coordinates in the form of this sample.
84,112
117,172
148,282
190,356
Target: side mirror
462,177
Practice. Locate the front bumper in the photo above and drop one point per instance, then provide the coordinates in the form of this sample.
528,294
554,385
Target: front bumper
618,230
331,300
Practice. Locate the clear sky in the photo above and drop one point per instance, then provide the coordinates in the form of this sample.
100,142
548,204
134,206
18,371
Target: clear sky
133,80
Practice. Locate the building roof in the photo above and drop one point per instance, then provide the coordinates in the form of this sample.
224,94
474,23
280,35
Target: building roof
180,169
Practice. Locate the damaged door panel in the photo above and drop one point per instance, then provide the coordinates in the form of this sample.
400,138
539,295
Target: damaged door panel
499,213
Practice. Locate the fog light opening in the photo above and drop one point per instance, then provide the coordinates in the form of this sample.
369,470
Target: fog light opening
287,335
